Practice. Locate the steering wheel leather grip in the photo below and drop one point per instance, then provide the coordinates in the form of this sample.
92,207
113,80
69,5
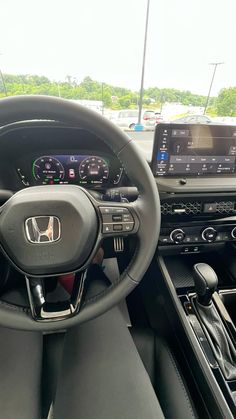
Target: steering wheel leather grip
145,210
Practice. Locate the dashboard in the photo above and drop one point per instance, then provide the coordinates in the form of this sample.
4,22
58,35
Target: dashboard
194,167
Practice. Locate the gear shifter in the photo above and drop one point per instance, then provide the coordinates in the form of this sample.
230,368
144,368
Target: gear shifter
206,282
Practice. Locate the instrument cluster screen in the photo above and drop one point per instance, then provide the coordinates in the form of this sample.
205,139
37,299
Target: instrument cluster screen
194,150
74,169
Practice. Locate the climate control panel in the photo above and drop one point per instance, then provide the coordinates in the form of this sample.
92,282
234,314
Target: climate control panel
197,236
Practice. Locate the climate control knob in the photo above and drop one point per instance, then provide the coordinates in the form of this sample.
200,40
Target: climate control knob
177,235
233,233
209,234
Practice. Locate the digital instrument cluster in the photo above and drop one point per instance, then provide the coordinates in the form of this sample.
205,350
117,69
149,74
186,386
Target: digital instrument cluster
75,169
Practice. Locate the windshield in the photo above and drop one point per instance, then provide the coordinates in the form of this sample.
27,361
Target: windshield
93,52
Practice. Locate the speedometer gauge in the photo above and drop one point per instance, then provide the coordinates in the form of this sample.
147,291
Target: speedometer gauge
48,170
94,169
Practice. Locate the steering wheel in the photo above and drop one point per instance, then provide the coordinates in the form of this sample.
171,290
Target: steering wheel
54,230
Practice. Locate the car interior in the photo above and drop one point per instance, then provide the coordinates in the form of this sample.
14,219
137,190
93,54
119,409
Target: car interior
73,183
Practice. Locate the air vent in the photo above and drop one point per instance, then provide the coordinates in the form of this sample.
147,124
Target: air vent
186,208
225,207
193,208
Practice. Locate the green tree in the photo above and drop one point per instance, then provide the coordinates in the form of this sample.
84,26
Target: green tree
125,101
226,102
93,90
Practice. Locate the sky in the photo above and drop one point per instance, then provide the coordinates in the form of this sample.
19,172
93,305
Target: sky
103,39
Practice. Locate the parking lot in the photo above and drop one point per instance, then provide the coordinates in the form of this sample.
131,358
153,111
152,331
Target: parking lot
144,141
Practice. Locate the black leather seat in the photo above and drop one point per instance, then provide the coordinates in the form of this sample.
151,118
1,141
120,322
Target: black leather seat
105,386
165,375
96,371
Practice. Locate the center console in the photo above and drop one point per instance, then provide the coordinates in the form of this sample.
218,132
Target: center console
195,171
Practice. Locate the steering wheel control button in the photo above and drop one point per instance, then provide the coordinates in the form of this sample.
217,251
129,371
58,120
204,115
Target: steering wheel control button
107,228
128,226
177,235
114,210
127,218
106,210
117,227
117,218
209,234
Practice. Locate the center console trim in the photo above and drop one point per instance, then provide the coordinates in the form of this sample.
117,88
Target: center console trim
196,185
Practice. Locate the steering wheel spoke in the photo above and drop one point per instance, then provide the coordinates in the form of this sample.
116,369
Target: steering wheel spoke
45,307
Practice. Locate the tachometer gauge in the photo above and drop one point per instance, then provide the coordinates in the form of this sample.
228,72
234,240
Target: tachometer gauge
48,170
94,170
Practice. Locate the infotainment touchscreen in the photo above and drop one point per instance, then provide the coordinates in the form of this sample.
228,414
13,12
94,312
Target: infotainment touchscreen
194,150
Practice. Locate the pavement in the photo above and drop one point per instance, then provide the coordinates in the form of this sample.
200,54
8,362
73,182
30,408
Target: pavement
144,141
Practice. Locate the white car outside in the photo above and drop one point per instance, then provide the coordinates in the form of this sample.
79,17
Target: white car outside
128,118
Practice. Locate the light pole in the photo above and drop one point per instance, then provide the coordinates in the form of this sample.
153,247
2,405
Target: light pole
162,100
143,66
102,98
3,81
213,76
58,89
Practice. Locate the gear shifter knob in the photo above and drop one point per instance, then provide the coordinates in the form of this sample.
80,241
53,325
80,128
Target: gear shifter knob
206,282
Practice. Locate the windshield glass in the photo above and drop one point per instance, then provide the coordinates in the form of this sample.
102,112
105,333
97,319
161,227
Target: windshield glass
92,52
